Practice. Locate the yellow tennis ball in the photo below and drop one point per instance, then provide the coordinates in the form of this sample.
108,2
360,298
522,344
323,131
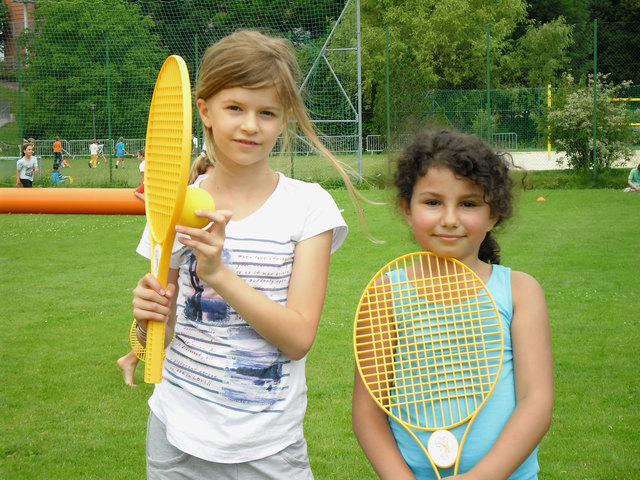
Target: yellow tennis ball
196,199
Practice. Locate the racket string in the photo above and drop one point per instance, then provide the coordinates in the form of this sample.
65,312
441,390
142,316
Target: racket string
444,356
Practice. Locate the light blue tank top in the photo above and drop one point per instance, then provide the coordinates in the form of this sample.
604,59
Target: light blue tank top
493,416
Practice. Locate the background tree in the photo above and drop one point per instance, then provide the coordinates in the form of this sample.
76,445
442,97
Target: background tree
441,45
78,51
618,38
538,57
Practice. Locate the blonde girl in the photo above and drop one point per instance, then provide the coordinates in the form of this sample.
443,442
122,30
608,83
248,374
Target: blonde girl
245,295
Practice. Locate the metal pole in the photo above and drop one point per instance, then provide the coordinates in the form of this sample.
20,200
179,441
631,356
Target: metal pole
387,60
196,117
595,93
93,114
20,116
488,83
109,110
549,126
359,62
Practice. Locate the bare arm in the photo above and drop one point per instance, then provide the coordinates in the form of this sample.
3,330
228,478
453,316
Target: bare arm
533,371
372,430
291,327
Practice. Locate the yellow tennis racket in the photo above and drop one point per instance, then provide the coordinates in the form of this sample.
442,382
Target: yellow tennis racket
428,344
167,159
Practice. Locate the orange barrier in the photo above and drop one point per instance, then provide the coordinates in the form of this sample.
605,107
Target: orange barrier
91,201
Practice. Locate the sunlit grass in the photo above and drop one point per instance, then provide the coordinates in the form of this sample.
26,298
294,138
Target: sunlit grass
65,286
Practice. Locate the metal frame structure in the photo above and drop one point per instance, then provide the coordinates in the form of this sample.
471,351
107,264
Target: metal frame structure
356,109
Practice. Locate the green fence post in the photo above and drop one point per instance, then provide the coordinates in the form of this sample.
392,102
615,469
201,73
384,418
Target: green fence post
196,117
595,93
386,38
488,83
109,109
20,119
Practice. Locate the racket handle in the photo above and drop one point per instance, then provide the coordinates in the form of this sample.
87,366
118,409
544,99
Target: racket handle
155,352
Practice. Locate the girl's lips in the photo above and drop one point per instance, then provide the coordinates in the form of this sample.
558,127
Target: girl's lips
249,143
448,238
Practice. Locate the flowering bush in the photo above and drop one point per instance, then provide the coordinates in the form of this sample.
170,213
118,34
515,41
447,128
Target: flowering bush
571,125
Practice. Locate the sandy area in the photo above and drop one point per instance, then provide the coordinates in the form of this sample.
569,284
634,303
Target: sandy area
544,161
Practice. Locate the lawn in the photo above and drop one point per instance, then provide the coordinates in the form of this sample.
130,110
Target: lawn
66,285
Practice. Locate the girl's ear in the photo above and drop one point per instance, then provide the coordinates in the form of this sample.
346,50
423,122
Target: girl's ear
405,208
492,222
203,110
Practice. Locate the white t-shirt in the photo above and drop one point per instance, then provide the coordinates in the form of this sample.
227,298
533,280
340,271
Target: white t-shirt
27,167
141,166
93,148
227,395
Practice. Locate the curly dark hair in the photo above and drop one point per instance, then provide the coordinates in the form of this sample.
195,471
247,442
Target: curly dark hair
466,156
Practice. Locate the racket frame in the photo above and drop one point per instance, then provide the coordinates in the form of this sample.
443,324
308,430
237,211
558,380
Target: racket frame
167,162
382,339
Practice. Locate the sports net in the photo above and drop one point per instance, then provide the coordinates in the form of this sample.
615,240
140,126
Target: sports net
86,69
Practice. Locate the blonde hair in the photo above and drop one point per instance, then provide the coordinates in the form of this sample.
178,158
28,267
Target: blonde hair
250,59
199,167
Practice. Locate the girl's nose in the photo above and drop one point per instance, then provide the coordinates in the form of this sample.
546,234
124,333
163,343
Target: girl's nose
449,217
249,123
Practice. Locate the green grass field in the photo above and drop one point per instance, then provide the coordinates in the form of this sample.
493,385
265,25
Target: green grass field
306,167
375,170
66,286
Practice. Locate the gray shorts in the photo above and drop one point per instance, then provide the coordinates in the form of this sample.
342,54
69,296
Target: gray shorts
166,462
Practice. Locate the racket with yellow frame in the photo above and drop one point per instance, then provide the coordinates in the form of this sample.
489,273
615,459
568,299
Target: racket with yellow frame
167,162
428,344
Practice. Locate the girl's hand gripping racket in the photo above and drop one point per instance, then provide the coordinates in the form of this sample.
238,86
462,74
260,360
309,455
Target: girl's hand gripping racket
167,157
428,344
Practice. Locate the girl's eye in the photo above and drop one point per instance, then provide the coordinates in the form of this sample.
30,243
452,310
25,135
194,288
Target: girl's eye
267,113
432,203
469,204
234,108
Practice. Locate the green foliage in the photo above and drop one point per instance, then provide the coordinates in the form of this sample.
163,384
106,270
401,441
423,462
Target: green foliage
438,46
613,179
539,56
571,125
5,25
86,52
66,413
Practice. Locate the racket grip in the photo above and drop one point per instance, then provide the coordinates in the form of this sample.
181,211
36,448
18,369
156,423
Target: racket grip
155,352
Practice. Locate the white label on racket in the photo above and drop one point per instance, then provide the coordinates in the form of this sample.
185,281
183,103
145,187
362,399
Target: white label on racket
443,448
156,259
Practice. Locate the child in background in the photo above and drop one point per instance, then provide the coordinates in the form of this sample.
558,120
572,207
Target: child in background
128,363
633,180
139,192
453,190
93,151
57,153
57,177
101,154
120,152
26,167
244,295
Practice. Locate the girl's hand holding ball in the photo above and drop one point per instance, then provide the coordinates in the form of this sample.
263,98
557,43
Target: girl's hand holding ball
196,199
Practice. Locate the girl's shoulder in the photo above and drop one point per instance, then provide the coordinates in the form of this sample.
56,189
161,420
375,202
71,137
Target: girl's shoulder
524,287
294,187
